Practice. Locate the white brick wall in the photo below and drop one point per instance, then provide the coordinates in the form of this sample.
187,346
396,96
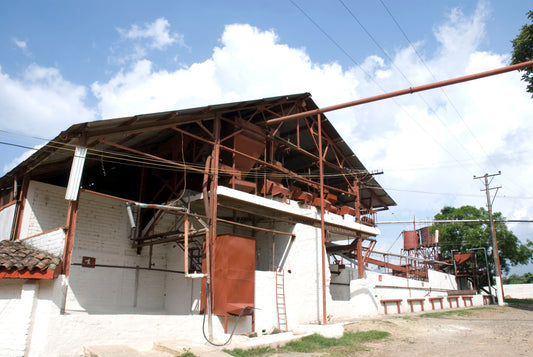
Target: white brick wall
46,209
102,232
52,242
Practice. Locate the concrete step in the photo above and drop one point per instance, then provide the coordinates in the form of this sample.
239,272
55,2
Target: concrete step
177,347
121,351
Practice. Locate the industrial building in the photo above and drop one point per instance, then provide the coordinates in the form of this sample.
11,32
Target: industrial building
140,228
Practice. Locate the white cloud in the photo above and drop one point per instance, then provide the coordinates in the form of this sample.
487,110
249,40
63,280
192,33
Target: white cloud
20,44
23,45
41,103
249,64
157,33
13,163
141,39
420,140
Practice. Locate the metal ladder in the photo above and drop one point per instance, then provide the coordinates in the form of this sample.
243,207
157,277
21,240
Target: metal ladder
280,299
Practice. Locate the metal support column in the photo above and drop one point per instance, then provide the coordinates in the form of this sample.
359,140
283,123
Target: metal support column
213,205
322,225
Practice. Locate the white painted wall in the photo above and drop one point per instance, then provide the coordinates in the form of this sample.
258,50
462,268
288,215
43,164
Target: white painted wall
106,305
303,284
182,294
439,280
518,291
6,221
16,305
45,312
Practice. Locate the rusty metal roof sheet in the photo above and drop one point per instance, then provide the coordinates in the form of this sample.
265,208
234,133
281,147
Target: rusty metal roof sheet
152,129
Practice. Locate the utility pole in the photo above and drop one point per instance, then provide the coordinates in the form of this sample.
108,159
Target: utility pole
495,253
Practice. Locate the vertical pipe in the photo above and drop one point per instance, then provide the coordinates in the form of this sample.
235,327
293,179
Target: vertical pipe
141,199
322,225
186,245
136,287
205,182
360,265
14,192
274,252
489,283
213,205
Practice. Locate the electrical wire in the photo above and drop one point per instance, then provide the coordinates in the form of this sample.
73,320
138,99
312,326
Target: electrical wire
137,160
452,104
393,64
234,326
429,134
99,154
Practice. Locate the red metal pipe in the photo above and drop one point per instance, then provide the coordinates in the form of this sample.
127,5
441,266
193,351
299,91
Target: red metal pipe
409,90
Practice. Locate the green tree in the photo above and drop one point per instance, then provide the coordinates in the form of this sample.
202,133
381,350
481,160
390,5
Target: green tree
523,51
460,237
527,278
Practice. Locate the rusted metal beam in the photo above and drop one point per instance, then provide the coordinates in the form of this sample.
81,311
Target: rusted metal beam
145,127
395,267
19,209
72,215
173,163
178,237
398,93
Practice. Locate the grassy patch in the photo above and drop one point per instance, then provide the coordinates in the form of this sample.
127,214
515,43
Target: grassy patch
349,342
519,301
187,354
252,352
464,312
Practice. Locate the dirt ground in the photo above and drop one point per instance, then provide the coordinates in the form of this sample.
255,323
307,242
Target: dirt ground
490,331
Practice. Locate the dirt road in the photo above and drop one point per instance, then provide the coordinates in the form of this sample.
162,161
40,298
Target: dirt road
489,331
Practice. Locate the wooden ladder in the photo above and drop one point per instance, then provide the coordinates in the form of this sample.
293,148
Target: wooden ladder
280,299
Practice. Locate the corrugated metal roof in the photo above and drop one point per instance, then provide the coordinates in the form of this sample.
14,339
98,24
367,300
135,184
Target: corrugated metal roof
153,128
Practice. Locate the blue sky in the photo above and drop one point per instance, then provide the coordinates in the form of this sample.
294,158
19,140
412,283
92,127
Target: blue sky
66,62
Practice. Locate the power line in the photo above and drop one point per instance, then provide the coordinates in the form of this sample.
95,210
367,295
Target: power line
432,75
373,80
442,122
487,156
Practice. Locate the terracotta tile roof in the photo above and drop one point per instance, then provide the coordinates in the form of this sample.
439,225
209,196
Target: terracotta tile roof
16,255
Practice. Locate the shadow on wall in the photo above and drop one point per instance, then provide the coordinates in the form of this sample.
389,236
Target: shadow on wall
130,291
364,296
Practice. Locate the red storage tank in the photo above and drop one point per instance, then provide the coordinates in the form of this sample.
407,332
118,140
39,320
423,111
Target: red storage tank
410,240
233,274
428,239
